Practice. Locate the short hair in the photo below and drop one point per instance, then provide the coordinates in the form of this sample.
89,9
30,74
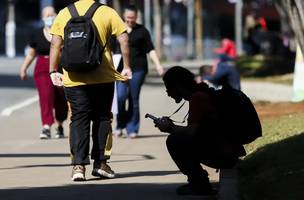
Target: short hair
131,7
177,75
203,69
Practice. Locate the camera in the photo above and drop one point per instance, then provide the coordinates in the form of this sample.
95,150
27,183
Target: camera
151,116
163,123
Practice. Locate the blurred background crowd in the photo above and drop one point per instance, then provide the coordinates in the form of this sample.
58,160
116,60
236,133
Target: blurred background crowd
181,29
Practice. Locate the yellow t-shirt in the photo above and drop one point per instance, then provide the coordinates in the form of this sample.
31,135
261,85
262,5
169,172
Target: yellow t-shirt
108,23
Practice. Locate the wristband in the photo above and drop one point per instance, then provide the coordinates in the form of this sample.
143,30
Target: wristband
51,72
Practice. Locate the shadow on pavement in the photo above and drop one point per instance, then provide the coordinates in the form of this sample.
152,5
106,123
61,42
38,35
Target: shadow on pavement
104,191
33,166
50,155
138,157
13,81
143,136
151,136
94,191
138,174
146,173
33,155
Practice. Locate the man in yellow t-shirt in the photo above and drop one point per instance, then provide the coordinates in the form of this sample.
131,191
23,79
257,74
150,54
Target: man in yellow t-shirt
90,94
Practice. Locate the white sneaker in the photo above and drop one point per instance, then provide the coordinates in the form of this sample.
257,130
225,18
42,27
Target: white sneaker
132,135
78,173
117,132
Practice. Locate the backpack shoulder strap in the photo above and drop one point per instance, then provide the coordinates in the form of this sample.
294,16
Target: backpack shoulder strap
73,11
90,12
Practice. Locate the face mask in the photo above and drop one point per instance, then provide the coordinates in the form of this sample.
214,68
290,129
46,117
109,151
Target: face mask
48,21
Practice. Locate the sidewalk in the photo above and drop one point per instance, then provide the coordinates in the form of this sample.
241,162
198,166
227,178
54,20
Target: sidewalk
36,169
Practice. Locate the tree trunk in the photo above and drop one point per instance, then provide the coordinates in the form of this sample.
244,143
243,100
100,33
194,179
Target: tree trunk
286,28
198,29
190,14
116,6
238,26
294,10
157,28
10,30
147,11
167,43
295,13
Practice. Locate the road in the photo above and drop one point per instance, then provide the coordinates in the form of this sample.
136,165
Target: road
13,91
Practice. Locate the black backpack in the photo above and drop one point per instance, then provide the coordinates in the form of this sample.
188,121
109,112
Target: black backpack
239,120
82,51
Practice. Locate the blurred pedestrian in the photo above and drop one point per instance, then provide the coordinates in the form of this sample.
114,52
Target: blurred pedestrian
89,93
51,98
227,48
223,71
140,45
255,27
224,75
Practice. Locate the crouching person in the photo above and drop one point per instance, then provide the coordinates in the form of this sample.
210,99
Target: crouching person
201,141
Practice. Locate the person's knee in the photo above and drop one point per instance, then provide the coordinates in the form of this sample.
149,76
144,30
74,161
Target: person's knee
170,143
174,143
121,97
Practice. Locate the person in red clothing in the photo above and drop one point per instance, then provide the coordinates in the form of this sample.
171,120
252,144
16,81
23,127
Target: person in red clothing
227,47
50,97
223,71
201,141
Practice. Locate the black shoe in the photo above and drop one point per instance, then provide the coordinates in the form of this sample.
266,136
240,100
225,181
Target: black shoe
197,190
59,132
102,170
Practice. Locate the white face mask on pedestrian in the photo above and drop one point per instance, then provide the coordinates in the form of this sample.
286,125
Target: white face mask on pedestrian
48,21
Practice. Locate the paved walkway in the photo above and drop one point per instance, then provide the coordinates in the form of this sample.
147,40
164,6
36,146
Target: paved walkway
34,169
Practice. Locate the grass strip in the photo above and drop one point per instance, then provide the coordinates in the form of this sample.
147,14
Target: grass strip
274,166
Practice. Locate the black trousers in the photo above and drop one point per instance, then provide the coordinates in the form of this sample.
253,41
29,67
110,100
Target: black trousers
89,103
189,152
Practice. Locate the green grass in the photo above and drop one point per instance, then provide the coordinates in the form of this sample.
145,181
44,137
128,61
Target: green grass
261,65
274,166
286,79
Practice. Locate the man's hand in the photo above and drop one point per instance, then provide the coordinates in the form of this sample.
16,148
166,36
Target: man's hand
164,124
56,78
127,73
160,70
